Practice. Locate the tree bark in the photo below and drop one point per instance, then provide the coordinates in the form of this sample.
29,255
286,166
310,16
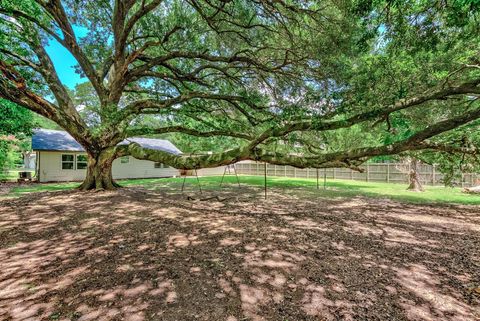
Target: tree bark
99,172
414,177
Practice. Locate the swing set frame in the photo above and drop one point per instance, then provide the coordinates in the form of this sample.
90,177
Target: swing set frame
227,167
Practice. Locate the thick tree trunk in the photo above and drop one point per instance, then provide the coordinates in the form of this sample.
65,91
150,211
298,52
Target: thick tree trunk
414,177
99,172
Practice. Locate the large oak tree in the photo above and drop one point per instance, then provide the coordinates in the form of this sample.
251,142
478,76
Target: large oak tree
302,83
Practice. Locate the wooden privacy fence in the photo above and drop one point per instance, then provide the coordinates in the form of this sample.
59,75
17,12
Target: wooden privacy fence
373,172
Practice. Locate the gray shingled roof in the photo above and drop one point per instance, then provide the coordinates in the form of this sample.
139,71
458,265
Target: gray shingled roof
58,140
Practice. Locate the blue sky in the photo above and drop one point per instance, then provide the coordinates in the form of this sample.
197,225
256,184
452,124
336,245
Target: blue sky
64,62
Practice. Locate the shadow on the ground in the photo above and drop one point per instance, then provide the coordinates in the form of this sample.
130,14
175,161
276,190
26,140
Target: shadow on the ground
137,254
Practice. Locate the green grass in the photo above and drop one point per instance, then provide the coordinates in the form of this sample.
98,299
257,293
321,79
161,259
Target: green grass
48,187
335,188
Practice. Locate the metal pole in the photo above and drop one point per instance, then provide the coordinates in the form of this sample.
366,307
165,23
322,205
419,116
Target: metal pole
184,178
325,178
265,174
317,178
223,176
198,180
235,171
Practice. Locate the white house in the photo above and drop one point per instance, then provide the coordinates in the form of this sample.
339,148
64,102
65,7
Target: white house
60,158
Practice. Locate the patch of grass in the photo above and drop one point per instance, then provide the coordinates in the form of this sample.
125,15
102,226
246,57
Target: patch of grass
348,188
334,188
20,189
338,188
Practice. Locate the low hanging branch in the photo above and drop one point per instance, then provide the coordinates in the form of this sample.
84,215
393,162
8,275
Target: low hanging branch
345,158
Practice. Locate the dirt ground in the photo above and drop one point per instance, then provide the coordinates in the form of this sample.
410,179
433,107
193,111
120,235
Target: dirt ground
135,254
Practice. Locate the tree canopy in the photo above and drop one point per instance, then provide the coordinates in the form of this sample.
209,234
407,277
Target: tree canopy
302,83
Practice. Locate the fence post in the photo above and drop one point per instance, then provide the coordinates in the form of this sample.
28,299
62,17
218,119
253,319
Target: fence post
351,174
285,170
462,178
388,172
274,170
295,172
334,173
368,174
433,174
265,177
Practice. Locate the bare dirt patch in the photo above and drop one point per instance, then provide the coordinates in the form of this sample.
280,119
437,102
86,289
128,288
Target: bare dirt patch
5,188
135,254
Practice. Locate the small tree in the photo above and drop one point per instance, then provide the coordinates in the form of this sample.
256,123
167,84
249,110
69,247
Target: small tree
15,124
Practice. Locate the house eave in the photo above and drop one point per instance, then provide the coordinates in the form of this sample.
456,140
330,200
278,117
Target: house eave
60,151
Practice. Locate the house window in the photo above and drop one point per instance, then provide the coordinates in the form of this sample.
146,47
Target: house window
68,161
124,160
81,161
158,165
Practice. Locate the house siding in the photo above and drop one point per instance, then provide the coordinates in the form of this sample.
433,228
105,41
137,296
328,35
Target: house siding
211,171
50,169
